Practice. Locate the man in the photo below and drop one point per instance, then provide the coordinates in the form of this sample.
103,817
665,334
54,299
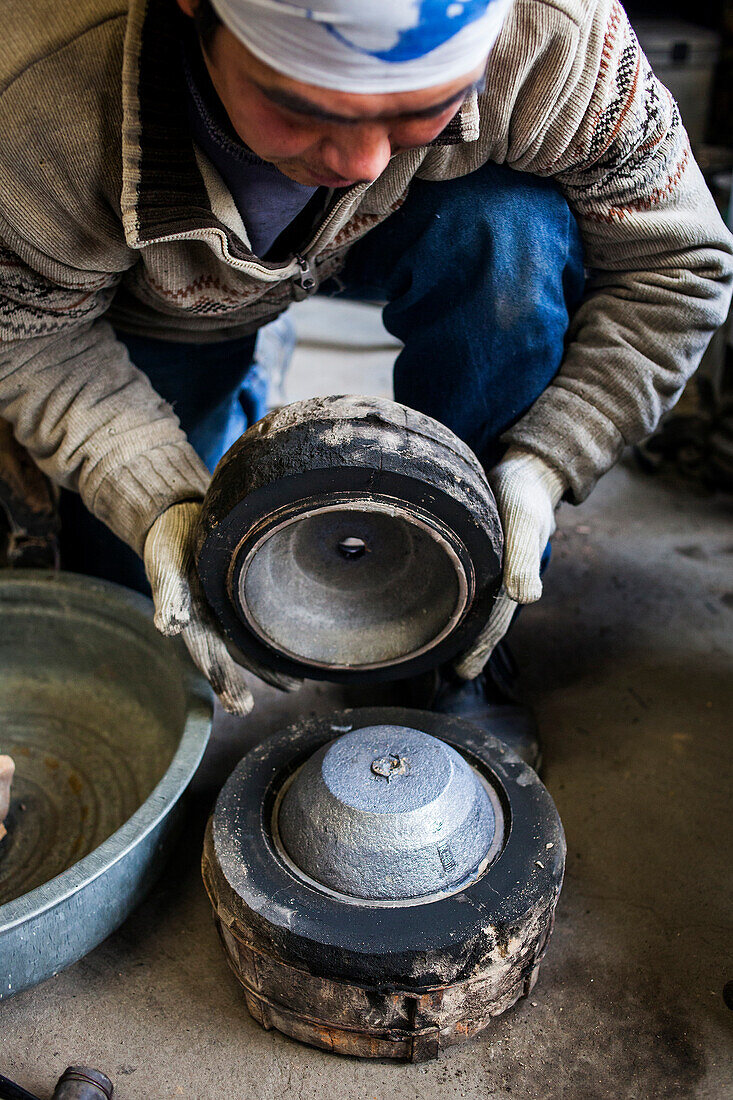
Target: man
173,176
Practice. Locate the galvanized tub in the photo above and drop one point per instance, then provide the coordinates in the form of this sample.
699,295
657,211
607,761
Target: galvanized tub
107,722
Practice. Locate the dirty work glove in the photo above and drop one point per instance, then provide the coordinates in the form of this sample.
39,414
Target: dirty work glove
527,493
181,608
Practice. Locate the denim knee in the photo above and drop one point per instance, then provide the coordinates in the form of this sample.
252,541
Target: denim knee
481,275
512,225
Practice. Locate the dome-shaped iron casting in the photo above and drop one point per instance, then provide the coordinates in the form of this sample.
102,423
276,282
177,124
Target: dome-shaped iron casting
388,813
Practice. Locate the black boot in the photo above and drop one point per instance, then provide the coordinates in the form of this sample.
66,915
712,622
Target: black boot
490,702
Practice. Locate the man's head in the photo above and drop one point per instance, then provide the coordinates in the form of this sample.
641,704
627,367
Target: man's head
328,96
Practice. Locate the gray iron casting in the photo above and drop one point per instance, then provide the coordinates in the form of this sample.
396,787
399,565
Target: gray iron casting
106,721
383,880
388,813
360,584
349,539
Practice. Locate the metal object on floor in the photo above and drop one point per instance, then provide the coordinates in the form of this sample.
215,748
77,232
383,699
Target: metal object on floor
83,1083
106,721
384,881
350,539
75,1083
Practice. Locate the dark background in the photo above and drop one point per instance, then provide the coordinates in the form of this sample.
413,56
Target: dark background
717,15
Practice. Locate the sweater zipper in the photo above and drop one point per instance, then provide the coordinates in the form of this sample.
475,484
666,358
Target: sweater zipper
352,192
299,265
305,280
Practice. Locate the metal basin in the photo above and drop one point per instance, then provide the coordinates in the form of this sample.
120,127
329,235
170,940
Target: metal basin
107,722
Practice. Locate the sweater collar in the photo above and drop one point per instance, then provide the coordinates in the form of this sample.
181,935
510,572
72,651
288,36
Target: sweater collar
163,193
162,189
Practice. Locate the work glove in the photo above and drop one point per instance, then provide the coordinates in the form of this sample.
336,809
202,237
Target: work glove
181,608
527,492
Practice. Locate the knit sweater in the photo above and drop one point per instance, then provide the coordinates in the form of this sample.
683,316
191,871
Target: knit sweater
108,213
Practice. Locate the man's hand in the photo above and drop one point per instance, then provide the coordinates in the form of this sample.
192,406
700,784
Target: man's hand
527,493
181,608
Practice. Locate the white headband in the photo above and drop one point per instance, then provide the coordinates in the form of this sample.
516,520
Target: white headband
367,46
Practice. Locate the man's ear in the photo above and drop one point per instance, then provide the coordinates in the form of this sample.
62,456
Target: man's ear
188,7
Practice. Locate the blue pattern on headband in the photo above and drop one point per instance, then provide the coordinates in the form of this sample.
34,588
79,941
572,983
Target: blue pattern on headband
438,21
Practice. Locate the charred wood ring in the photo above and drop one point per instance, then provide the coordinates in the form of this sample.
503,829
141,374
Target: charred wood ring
349,539
381,977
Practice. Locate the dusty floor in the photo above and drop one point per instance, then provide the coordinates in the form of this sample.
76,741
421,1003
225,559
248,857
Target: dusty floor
628,660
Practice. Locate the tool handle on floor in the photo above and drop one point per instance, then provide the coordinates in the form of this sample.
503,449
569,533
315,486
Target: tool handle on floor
83,1083
10,1091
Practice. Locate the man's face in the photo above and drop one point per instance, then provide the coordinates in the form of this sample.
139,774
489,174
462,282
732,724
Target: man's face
317,136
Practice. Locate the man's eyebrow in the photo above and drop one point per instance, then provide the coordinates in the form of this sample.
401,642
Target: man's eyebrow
302,106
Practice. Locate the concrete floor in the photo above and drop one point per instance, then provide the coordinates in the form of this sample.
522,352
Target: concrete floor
628,660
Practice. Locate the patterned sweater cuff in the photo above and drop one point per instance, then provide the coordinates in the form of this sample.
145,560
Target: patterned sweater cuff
570,435
130,497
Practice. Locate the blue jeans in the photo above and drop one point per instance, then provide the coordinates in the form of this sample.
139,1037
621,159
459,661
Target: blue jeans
480,274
